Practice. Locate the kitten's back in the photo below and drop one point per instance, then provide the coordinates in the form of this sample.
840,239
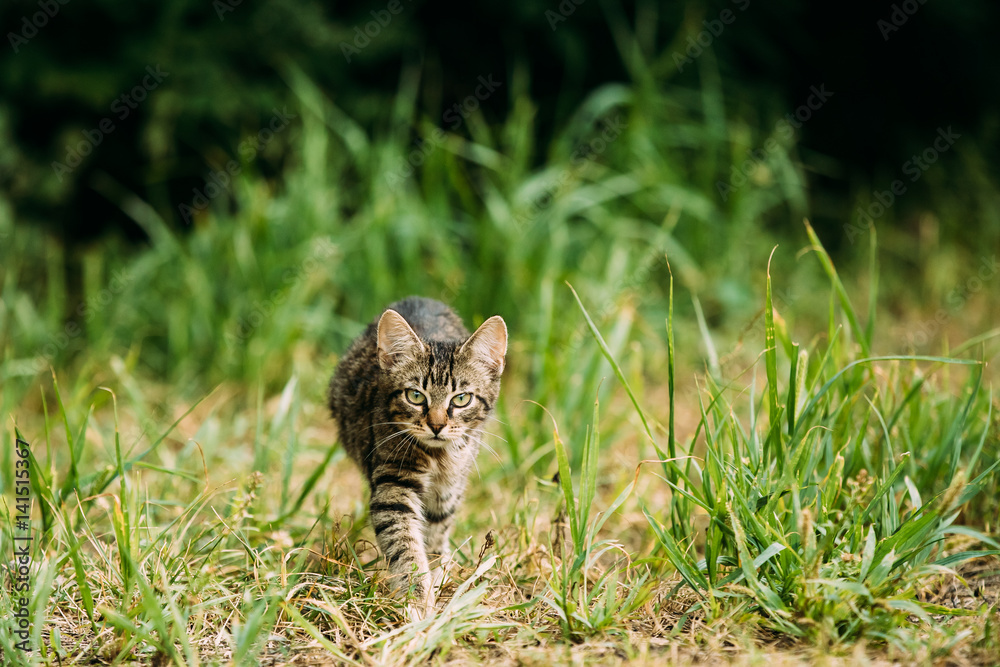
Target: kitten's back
432,320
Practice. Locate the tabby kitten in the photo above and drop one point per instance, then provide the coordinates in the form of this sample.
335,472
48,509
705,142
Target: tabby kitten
410,396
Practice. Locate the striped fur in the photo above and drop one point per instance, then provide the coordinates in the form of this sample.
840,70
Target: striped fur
399,399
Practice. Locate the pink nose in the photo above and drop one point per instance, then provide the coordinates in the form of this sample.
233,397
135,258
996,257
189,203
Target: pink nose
437,428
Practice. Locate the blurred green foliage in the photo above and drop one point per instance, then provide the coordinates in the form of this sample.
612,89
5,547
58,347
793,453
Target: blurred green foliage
229,62
373,191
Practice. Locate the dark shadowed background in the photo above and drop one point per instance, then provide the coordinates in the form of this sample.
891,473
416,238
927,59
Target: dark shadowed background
897,71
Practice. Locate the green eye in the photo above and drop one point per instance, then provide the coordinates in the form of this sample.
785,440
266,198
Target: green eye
461,400
415,397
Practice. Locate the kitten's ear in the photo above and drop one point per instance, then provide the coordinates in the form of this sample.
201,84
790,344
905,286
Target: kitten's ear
396,340
489,343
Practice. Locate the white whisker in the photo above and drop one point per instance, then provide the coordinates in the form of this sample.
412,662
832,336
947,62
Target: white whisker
482,430
386,439
409,442
405,441
487,447
390,424
493,452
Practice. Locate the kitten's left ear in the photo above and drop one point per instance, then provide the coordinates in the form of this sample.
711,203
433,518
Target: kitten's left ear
489,343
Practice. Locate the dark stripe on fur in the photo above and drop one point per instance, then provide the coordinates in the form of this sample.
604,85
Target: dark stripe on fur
438,518
392,559
395,480
401,508
407,466
381,527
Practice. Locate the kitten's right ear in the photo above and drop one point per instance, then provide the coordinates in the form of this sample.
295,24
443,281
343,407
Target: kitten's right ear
489,343
396,340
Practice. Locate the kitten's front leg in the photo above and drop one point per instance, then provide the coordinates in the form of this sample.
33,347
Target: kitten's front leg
397,517
439,555
439,515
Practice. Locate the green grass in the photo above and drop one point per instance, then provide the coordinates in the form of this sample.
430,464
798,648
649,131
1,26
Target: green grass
816,484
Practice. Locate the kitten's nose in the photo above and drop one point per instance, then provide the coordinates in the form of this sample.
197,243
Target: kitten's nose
437,419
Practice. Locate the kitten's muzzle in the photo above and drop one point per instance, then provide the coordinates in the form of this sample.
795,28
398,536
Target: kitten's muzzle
437,419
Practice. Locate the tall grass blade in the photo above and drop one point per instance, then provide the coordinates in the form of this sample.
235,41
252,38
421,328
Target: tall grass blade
773,446
566,483
618,371
671,428
841,292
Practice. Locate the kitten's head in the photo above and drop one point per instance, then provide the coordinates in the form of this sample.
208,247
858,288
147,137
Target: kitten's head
439,392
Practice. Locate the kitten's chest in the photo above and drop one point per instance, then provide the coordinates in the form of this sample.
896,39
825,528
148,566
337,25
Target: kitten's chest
447,475
449,468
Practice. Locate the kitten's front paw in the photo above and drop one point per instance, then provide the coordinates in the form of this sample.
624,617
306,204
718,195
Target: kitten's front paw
415,613
440,571
421,608
428,598
419,596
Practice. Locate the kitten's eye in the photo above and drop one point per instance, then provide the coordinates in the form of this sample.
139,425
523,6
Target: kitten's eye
461,400
415,397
